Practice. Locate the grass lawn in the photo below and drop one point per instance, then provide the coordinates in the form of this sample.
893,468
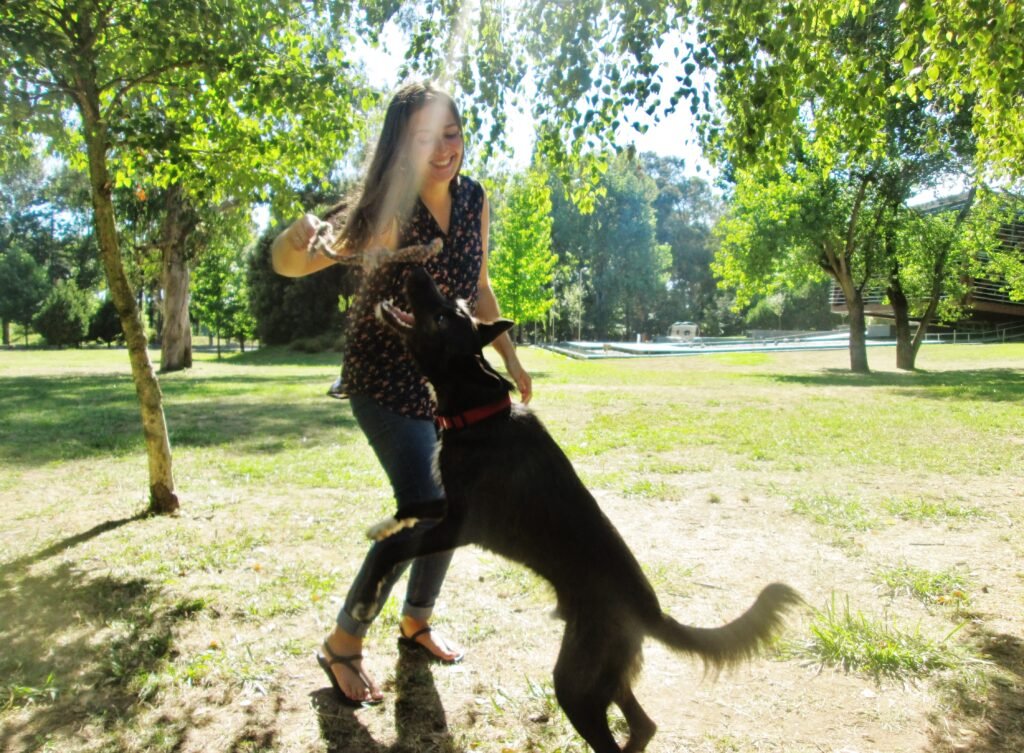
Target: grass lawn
892,501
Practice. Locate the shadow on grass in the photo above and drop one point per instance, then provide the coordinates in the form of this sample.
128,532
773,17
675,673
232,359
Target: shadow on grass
78,647
993,719
45,419
993,385
420,719
14,567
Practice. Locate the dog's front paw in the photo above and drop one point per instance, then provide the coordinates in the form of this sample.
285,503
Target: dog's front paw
389,527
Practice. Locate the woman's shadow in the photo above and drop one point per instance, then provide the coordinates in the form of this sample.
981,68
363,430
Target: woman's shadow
419,715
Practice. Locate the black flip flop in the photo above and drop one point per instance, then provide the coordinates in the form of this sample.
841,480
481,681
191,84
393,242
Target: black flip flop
327,659
410,642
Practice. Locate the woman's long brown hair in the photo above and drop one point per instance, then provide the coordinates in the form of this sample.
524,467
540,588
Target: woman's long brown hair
389,190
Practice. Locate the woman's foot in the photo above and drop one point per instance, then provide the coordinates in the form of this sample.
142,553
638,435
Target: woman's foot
418,634
343,653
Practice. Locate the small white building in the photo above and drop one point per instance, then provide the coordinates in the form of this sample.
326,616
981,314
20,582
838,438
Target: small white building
683,331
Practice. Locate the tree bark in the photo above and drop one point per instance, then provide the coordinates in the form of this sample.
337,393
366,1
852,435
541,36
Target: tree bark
162,499
858,339
176,335
906,353
841,267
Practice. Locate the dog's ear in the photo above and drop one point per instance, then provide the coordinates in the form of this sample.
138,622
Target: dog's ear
488,331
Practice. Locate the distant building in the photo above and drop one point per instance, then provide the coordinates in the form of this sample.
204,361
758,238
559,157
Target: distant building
683,331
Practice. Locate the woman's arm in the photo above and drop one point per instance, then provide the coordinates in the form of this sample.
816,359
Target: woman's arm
487,310
290,252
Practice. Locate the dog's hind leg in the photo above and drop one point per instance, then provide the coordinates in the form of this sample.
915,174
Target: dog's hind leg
589,715
585,696
641,726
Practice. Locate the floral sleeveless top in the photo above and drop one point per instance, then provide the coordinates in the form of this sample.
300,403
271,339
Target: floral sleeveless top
376,363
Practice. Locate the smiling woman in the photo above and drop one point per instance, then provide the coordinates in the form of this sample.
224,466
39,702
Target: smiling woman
412,197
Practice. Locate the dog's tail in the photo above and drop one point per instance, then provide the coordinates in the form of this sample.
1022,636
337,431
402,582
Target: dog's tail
738,640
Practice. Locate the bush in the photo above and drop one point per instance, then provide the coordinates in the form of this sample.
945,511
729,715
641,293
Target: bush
105,325
289,309
64,316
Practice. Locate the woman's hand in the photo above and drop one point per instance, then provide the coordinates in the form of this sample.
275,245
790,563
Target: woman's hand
291,252
522,379
298,235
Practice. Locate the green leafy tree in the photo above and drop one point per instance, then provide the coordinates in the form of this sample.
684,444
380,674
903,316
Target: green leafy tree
570,291
686,211
23,287
626,268
806,307
522,264
722,318
109,83
743,68
858,140
44,235
220,296
939,255
799,226
63,318
285,116
665,267
928,266
968,55
591,68
242,326
1005,262
67,236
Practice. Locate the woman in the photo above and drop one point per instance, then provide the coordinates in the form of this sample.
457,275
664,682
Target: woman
412,193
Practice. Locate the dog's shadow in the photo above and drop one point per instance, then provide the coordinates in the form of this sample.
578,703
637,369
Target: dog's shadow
420,720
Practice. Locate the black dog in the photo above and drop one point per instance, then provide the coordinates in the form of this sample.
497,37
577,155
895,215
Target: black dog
511,489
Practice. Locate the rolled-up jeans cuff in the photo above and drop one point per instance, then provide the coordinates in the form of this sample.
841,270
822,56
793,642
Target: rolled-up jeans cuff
352,626
423,614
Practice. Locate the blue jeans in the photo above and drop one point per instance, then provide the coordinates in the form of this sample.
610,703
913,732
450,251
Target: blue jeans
406,448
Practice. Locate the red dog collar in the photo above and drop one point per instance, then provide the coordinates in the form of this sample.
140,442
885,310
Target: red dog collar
474,415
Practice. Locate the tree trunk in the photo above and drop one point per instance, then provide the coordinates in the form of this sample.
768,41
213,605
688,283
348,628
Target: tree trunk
906,353
855,305
176,335
7,333
162,499
858,340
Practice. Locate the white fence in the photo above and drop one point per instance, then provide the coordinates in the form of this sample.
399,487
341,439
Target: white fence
1002,333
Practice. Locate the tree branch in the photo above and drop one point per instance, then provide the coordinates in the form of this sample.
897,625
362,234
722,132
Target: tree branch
146,78
869,258
858,202
833,264
57,84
